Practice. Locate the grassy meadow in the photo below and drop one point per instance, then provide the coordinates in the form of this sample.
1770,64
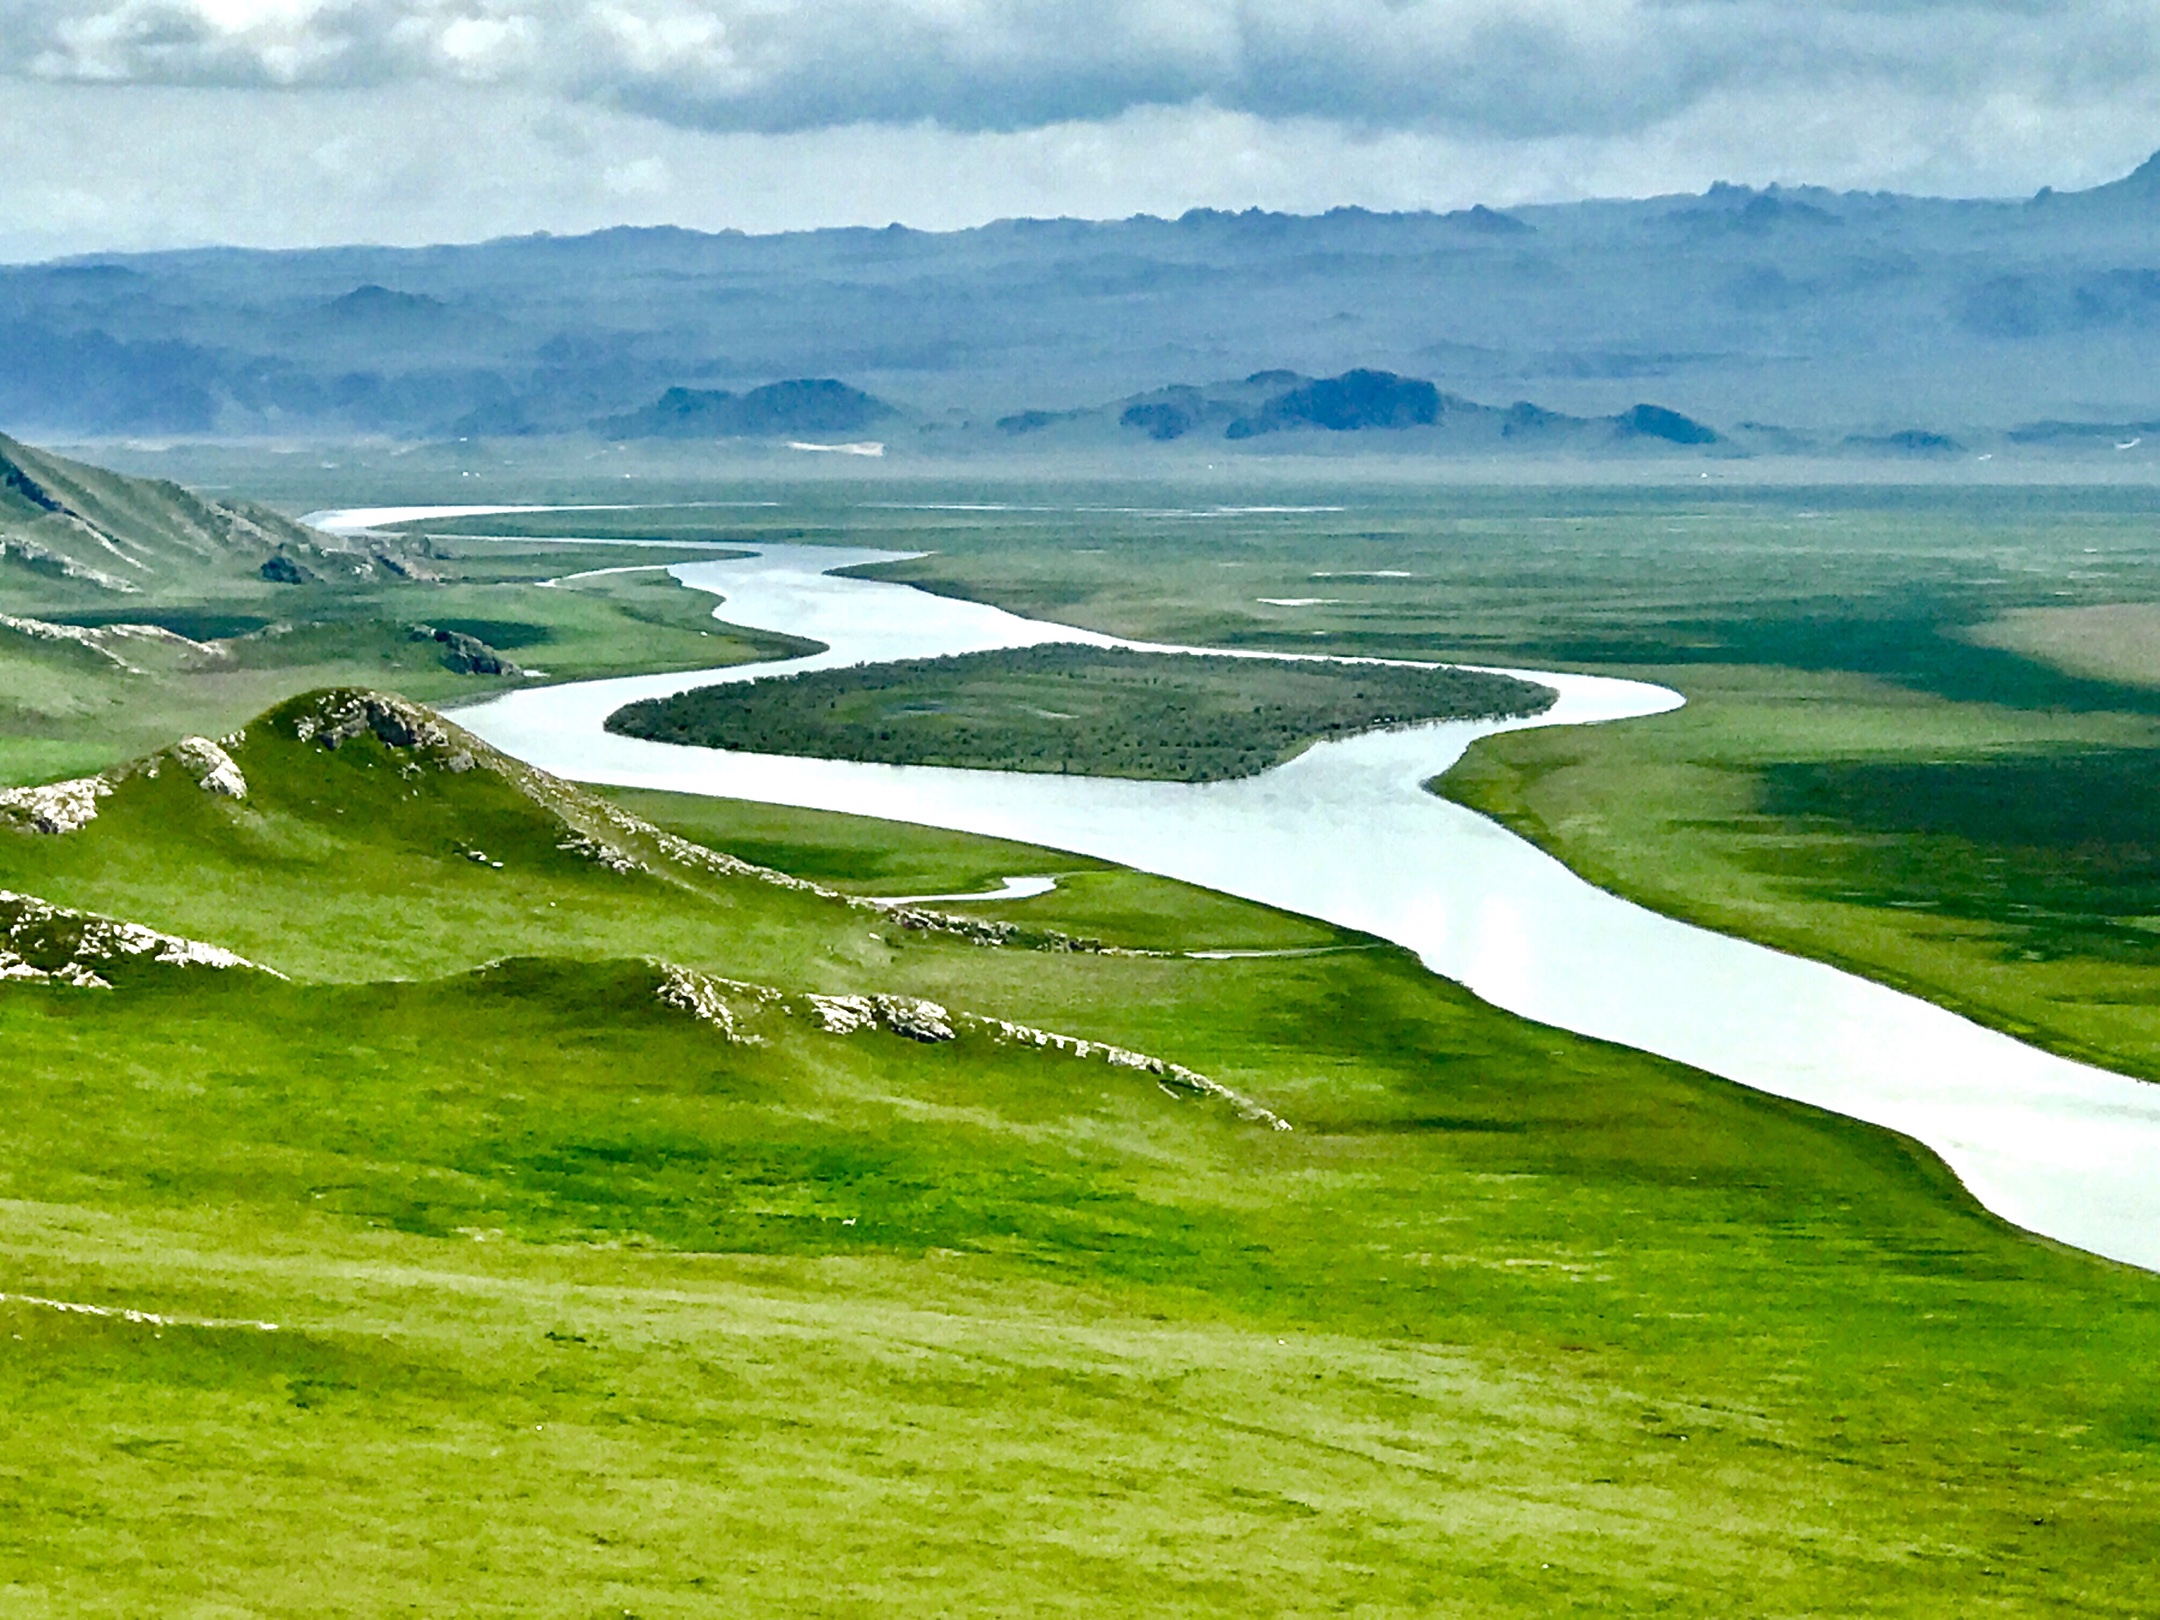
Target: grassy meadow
582,1308
459,1270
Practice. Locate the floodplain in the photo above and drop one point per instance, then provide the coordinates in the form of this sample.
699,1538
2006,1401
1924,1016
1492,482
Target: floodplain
582,1306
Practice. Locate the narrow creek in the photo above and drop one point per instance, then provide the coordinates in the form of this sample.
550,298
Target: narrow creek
1346,832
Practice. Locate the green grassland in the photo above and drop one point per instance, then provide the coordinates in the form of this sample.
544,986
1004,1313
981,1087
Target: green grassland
1091,711
857,855
582,1308
1909,748
67,708
1998,861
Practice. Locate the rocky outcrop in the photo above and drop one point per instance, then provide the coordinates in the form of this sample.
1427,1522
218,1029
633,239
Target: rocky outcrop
65,807
212,768
56,807
602,854
42,941
108,641
467,655
1173,1077
710,1000
917,1019
727,1004
44,560
337,717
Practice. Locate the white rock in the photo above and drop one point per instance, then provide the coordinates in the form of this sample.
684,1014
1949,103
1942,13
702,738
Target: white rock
844,1015
56,807
212,768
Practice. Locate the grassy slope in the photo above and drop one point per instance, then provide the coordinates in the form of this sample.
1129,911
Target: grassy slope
584,1311
144,534
1671,812
67,710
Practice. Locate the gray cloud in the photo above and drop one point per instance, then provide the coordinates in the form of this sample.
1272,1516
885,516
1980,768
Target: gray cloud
145,123
1508,69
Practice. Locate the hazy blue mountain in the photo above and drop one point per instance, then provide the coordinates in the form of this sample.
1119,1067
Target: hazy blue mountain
1408,412
799,405
1775,319
1355,400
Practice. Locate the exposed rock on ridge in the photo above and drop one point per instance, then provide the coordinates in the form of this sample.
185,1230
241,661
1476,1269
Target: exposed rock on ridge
729,1004
212,768
65,807
56,807
39,940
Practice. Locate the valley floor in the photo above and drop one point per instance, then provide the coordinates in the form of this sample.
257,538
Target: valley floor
581,1306
535,1247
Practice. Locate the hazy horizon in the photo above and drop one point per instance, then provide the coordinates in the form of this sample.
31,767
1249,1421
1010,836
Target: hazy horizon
132,125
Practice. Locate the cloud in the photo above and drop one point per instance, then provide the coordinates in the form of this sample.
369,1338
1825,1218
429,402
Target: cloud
150,123
1505,69
117,167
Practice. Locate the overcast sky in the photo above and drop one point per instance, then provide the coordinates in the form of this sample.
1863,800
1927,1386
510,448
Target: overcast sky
143,123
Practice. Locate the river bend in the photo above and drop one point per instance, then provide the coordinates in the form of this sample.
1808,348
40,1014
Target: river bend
1347,833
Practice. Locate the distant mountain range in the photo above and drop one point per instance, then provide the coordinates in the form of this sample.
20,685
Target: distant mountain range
1778,318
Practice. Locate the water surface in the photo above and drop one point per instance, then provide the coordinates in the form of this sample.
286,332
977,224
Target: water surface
1346,832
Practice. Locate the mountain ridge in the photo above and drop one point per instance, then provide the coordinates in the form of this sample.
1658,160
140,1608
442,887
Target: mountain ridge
1833,312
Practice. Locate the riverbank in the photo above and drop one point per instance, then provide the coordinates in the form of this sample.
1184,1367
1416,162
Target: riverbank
1992,861
2060,1148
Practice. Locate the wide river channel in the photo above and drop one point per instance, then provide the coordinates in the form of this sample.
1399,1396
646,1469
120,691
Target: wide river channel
1347,832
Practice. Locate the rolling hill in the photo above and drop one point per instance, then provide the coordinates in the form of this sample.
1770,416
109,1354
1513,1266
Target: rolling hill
431,1182
81,532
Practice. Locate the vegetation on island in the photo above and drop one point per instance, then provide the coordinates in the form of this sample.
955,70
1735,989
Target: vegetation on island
1089,711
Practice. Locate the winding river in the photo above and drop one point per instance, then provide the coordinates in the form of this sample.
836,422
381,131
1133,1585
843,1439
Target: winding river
1346,832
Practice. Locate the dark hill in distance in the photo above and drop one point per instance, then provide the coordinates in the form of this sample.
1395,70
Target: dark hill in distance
373,303
1829,314
1356,399
802,405
1412,409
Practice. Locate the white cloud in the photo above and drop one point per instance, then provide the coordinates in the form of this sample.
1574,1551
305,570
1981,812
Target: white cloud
1520,69
321,120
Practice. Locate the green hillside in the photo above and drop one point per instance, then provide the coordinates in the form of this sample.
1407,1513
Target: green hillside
132,611
542,1244
72,531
